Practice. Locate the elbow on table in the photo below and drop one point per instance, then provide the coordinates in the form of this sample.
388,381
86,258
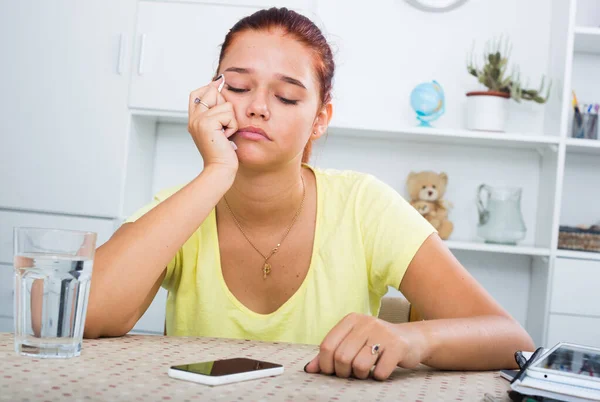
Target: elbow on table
94,329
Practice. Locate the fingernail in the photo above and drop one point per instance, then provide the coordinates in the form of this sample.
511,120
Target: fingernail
306,367
222,83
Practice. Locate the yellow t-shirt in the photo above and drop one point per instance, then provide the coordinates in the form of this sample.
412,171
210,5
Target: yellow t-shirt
365,237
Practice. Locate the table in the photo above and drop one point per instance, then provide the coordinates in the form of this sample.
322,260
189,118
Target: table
134,368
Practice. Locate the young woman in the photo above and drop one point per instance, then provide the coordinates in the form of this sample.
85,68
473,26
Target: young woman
262,246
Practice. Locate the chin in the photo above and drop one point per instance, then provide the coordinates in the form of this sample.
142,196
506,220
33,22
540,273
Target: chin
251,156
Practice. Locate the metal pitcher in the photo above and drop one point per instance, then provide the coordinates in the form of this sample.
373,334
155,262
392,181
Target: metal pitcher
500,218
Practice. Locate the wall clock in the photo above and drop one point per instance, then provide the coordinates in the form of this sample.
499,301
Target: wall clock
436,5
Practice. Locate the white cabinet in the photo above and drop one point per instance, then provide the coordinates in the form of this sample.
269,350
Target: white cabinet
177,51
575,288
8,220
63,104
574,307
566,328
6,324
7,286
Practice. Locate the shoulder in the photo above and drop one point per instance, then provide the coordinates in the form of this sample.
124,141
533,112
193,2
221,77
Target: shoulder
360,186
345,181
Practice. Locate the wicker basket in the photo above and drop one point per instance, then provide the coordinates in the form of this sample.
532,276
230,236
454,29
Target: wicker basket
574,238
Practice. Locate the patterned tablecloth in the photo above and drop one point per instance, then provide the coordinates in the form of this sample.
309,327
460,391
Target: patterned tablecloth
134,368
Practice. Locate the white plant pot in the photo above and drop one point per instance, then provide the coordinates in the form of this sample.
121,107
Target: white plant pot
487,111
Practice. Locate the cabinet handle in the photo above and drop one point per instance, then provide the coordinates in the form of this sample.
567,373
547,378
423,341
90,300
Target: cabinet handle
122,46
141,69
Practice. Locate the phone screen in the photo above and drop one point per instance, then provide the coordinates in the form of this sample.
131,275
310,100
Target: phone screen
572,360
225,367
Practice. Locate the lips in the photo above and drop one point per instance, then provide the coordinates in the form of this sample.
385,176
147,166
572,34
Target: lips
252,133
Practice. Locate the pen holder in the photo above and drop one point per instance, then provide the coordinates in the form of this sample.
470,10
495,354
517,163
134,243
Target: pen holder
585,126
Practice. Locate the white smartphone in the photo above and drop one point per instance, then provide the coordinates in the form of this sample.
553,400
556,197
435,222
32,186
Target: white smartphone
226,371
569,364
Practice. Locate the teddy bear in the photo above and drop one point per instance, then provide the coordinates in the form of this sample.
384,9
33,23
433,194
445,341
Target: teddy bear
426,190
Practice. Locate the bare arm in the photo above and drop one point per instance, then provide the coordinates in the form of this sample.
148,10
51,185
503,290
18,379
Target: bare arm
465,328
129,268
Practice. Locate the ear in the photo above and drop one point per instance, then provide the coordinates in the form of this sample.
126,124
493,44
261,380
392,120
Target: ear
444,177
411,176
322,121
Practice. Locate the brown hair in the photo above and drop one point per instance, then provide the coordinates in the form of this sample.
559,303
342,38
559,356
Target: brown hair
303,30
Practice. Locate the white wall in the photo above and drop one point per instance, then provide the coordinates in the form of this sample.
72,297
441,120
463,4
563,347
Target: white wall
425,46
588,13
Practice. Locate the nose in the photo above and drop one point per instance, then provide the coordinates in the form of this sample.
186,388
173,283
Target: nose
430,192
259,107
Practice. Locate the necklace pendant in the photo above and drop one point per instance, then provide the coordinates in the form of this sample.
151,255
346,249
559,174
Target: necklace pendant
266,270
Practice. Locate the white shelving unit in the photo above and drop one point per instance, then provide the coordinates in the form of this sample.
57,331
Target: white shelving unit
578,255
587,40
583,146
498,248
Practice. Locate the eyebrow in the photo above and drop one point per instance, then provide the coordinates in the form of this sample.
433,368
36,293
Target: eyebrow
281,77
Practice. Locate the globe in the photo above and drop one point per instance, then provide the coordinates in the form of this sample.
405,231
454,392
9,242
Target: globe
427,100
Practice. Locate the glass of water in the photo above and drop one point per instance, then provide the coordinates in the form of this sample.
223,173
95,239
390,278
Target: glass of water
53,269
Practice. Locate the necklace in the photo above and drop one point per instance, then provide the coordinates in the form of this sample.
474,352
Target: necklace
266,269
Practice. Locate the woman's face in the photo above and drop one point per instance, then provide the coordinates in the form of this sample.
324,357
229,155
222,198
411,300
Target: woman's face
272,86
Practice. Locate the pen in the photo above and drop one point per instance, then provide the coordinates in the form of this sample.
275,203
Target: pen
533,358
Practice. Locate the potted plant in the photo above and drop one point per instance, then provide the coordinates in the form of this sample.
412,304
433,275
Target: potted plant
488,110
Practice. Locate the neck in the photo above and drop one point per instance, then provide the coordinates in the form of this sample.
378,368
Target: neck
266,198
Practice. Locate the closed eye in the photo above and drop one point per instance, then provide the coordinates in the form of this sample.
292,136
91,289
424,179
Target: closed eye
237,90
287,101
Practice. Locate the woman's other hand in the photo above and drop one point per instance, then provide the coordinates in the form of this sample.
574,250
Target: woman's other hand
349,349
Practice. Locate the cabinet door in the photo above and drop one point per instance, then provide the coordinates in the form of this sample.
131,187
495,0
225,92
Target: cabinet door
63,104
574,329
177,51
7,290
6,324
575,287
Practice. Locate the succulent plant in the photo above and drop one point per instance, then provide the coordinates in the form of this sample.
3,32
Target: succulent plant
494,75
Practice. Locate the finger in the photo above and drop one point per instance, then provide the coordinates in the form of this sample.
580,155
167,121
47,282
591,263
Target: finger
198,93
348,350
219,82
386,364
364,362
209,97
313,365
218,109
227,122
332,341
220,99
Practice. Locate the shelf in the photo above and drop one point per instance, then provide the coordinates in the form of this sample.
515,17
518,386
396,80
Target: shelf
416,134
580,255
583,146
497,248
587,40
162,116
452,137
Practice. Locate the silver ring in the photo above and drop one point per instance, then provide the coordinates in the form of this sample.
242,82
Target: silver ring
199,101
375,349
